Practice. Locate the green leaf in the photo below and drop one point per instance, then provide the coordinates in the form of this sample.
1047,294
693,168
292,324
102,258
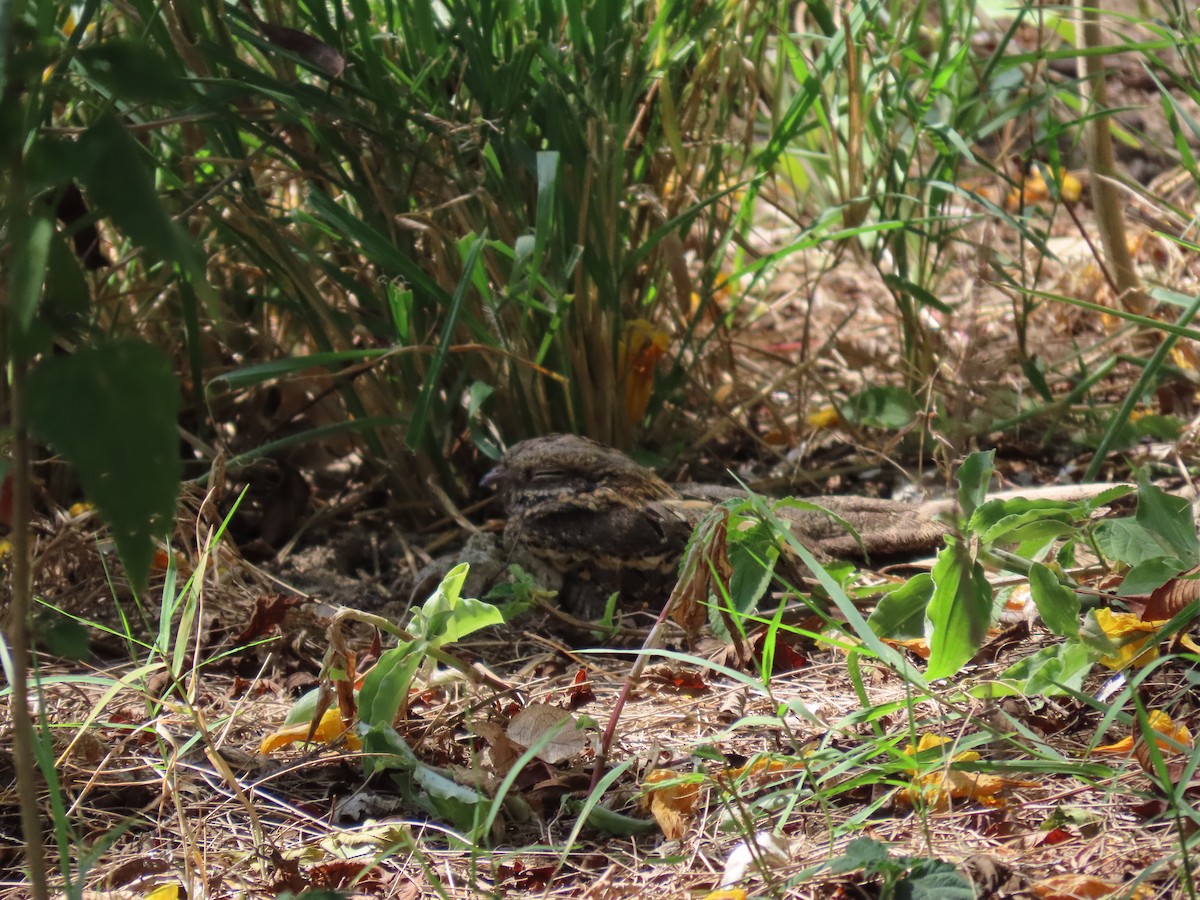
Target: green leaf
974,476
119,183
752,553
933,879
67,289
131,71
1158,543
1092,635
1150,575
995,518
447,617
900,614
291,365
31,236
1128,541
304,709
1058,604
1052,671
1170,517
384,749
111,410
862,853
62,635
386,685
881,407
959,612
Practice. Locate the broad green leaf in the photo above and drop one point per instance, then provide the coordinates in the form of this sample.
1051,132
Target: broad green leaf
1029,526
900,614
304,709
959,611
752,552
62,635
383,748
131,70
443,787
31,236
66,286
386,686
1092,635
862,853
1108,496
111,410
881,407
447,617
1150,575
974,476
933,879
1058,604
1170,517
1052,671
991,519
121,185
1128,541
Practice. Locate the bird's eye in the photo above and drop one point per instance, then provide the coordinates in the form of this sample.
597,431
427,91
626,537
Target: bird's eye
546,475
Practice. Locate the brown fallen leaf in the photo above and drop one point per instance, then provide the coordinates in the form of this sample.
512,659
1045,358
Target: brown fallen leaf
531,726
269,612
1170,598
1082,887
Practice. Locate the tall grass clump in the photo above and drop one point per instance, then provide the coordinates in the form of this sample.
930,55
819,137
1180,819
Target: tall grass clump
467,222
909,124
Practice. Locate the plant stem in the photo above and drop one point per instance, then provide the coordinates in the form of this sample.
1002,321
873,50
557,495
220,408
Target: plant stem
1106,199
18,643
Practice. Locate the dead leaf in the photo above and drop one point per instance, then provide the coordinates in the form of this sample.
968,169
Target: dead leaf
1173,596
640,349
784,655
1081,887
706,554
502,751
685,681
531,726
581,692
269,612
524,877
937,790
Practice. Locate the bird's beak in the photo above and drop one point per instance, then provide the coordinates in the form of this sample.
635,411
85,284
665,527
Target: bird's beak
494,477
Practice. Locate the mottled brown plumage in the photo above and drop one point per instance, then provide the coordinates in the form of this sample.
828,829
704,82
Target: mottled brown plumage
582,506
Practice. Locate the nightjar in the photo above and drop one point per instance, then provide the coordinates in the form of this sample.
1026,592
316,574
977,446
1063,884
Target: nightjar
585,508
580,505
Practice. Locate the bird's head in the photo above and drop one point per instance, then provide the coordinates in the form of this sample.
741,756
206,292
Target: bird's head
569,468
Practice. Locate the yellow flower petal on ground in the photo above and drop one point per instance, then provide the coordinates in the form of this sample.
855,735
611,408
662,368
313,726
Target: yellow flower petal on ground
329,729
1163,724
825,417
1071,188
673,806
1122,629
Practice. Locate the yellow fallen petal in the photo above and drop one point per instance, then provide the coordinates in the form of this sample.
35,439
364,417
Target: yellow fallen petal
329,729
1071,189
1121,628
825,417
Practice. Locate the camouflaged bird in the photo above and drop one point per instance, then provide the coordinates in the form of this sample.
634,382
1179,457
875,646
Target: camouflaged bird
583,507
